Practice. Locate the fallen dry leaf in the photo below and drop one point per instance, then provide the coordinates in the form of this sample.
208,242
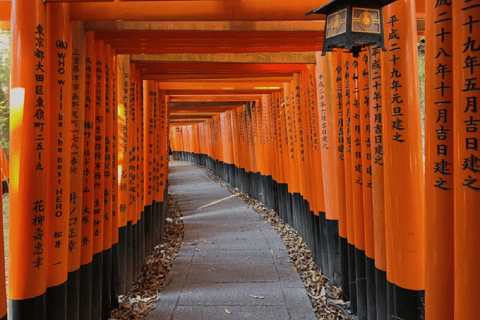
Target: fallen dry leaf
227,311
256,297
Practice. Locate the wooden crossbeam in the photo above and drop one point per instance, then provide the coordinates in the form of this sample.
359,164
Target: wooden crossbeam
209,10
284,57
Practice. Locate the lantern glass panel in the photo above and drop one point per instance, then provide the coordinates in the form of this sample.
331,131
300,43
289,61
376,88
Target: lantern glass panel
336,23
365,20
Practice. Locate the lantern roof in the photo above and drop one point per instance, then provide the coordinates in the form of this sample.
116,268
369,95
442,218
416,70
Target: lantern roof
338,4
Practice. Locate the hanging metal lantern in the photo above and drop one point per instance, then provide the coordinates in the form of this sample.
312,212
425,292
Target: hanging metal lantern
352,24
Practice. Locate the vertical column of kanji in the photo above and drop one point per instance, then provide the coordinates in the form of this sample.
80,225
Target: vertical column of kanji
310,107
280,179
266,174
320,220
466,73
378,207
59,85
162,164
138,165
326,118
115,177
132,187
88,178
288,154
76,170
253,150
347,60
301,137
107,186
404,205
366,161
310,202
28,195
155,165
339,167
295,196
439,159
123,73
99,181
357,191
142,170
275,150
149,94
139,157
163,150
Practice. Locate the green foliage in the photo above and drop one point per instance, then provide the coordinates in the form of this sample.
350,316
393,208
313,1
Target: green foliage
4,88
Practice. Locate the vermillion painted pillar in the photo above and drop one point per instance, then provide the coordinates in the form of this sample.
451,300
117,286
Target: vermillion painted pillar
439,159
326,113
339,149
378,204
157,103
149,99
115,178
76,143
99,181
139,169
107,186
123,84
365,141
86,270
142,172
319,220
466,71
3,293
161,163
347,71
404,196
357,181
28,141
59,85
132,184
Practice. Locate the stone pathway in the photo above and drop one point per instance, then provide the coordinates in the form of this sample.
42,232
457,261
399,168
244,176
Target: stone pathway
230,260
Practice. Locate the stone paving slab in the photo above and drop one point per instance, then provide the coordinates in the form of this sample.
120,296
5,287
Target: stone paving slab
229,254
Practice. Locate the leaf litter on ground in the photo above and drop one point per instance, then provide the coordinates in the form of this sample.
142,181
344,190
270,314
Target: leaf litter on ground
325,298
138,302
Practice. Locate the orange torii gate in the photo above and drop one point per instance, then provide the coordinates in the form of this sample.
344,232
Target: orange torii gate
332,143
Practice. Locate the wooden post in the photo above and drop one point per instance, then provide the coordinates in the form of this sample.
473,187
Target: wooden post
59,86
439,165
324,75
88,198
378,207
3,292
99,180
107,186
404,196
466,30
123,84
76,143
115,178
365,141
348,89
339,149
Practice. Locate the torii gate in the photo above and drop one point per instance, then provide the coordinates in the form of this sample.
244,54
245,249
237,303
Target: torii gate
98,88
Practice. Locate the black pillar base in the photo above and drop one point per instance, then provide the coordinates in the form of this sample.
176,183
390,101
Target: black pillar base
57,302
73,295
